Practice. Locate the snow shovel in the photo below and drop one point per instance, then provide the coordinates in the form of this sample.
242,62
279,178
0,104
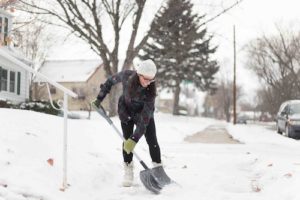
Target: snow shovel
153,179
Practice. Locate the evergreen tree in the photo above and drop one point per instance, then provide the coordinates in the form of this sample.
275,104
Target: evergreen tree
180,47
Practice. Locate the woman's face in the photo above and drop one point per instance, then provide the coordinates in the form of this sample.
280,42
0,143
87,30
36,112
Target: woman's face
145,81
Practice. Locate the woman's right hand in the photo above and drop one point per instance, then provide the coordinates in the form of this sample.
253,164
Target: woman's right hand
96,102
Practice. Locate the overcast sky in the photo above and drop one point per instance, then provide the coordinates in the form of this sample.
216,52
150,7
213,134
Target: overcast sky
251,18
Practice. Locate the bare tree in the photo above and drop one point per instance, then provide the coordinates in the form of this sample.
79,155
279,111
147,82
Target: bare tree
33,39
276,61
267,101
88,19
221,102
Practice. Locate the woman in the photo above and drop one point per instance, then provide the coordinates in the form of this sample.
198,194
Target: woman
135,107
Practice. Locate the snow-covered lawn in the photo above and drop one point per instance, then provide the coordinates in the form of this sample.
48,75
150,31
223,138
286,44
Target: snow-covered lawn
265,166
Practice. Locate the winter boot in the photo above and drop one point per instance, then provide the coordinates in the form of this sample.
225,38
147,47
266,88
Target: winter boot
128,174
155,164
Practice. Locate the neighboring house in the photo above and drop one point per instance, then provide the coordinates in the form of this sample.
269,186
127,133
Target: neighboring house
164,101
14,79
188,101
81,76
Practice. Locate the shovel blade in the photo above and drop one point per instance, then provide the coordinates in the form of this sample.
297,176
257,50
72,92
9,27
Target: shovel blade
150,181
155,179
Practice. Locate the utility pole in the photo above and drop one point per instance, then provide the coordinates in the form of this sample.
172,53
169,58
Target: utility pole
234,77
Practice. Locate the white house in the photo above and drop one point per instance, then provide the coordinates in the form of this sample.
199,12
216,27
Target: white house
14,79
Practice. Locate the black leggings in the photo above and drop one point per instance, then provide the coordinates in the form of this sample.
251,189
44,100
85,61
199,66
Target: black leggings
151,139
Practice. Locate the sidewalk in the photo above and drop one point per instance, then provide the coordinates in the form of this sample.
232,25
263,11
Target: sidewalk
215,134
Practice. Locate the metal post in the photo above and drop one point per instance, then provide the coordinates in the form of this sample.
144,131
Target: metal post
234,77
65,141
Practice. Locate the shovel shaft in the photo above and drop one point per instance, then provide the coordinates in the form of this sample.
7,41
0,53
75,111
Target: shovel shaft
134,153
102,112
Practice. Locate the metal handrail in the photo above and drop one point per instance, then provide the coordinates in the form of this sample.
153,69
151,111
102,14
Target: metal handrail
38,74
63,106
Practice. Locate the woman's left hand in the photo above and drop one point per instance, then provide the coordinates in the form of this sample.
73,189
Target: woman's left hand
129,145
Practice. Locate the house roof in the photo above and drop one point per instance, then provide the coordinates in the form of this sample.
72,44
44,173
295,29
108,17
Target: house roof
16,53
7,14
69,70
14,56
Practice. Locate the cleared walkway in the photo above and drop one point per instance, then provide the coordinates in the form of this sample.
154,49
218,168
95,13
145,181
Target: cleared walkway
216,134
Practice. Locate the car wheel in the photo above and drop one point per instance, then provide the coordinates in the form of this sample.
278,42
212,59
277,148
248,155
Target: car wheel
287,131
278,129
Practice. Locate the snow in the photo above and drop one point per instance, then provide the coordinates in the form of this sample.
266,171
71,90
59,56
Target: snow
264,166
69,70
12,51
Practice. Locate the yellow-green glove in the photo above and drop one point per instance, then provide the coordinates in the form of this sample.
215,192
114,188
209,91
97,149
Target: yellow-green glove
129,145
96,102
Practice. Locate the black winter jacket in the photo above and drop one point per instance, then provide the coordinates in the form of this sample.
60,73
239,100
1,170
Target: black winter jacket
136,103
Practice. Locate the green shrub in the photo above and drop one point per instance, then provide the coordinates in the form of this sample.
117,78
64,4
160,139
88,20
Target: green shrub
40,106
5,104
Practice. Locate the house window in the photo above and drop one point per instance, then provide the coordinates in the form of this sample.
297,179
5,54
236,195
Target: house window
0,24
3,79
0,78
12,81
95,89
5,31
81,96
5,39
80,92
52,90
19,84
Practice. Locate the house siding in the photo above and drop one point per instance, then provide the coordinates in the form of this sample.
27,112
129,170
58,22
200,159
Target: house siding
10,60
24,90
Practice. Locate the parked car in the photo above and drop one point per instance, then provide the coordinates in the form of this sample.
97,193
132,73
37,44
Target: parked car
241,120
288,119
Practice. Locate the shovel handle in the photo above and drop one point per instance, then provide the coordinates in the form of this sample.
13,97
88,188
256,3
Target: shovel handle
102,112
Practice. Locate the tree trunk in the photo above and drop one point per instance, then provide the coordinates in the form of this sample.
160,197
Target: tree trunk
115,90
227,110
114,95
176,100
89,110
113,102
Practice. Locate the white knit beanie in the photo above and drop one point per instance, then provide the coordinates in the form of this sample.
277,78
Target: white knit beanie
146,68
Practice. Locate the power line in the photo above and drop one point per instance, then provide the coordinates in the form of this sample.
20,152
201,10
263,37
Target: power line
222,12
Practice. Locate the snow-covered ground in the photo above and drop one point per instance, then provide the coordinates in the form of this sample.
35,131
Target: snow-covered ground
265,166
